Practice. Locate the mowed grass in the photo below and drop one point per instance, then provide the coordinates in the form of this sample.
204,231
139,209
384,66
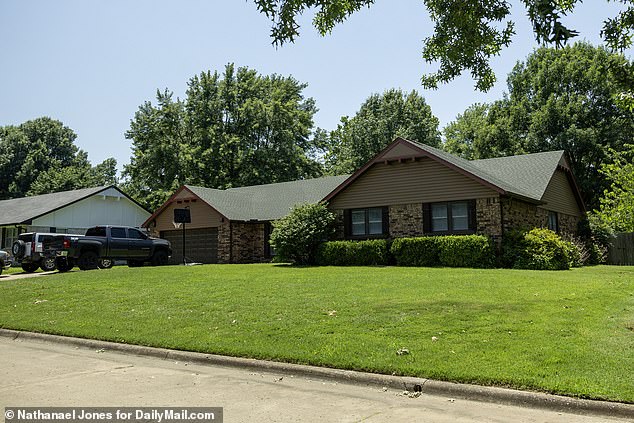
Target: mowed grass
568,332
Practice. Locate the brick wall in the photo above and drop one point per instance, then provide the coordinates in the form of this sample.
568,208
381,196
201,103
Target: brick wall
568,224
406,220
224,243
489,217
518,214
241,243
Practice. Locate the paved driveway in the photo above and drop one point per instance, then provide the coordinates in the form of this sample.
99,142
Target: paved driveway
22,275
44,374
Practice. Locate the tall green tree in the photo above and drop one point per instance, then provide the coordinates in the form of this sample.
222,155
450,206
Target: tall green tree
233,129
616,206
40,156
562,99
467,33
381,118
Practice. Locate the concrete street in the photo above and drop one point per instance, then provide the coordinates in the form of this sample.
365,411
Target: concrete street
34,373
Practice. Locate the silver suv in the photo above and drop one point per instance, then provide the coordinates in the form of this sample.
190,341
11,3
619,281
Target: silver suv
29,251
5,261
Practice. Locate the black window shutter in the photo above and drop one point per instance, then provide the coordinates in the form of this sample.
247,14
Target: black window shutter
473,221
426,218
386,220
347,222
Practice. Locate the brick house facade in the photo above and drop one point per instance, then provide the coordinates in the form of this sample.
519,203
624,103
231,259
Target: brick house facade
408,189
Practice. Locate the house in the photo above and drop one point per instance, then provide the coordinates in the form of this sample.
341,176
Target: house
233,225
408,189
68,212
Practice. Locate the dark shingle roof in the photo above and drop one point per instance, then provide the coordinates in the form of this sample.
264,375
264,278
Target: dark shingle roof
528,173
21,210
526,176
267,202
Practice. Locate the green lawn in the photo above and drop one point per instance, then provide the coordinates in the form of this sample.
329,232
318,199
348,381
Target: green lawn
568,332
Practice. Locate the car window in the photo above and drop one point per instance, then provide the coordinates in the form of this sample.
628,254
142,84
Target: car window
44,238
98,231
117,232
26,237
136,234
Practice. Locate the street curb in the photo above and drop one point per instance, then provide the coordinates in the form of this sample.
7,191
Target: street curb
425,386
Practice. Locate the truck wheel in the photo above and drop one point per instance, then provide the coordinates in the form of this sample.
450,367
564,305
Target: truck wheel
88,260
159,258
29,267
64,264
48,264
105,263
135,263
19,248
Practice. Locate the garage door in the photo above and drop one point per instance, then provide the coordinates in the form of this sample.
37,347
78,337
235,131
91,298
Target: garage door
201,245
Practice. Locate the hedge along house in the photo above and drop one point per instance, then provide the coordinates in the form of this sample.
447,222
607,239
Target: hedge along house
233,225
408,189
411,189
68,212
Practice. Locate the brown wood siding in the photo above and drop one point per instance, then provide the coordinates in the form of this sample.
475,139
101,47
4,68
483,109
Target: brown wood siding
559,196
423,181
202,215
201,245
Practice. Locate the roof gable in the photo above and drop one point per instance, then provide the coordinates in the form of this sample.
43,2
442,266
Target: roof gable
525,177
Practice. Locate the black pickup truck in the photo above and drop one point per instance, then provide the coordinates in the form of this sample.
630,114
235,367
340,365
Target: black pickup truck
103,244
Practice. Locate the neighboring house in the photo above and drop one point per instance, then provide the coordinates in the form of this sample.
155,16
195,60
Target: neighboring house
408,189
68,212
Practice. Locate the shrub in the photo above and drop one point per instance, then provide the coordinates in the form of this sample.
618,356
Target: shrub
297,236
421,251
450,251
542,249
465,251
354,253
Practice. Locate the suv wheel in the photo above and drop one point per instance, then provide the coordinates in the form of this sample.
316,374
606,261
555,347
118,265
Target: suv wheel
19,248
88,260
29,267
105,263
48,264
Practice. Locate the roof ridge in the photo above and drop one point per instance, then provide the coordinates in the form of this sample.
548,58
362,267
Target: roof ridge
287,182
518,155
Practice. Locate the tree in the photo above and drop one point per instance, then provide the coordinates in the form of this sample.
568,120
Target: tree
235,129
40,156
297,236
467,33
558,100
616,207
381,118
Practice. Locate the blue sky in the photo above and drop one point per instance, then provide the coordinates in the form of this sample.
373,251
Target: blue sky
91,64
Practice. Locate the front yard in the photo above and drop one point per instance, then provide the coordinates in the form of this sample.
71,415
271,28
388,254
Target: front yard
568,332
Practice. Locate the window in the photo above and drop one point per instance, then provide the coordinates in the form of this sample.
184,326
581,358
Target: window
135,234
456,216
117,233
370,222
553,221
9,237
97,231
269,251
